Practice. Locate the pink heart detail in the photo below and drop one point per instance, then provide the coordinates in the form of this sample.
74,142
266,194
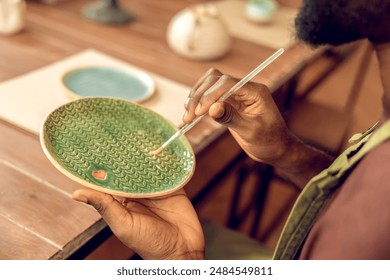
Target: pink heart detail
100,175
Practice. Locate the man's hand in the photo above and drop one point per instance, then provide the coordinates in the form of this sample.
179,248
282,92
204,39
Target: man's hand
250,114
155,228
257,124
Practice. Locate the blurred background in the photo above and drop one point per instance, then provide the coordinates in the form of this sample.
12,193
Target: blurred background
326,95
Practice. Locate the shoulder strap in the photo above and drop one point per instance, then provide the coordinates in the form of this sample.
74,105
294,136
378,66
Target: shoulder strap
320,188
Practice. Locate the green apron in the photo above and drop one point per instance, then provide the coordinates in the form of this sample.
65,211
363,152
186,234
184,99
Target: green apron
320,189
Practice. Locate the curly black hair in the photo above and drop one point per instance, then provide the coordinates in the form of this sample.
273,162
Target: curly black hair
335,22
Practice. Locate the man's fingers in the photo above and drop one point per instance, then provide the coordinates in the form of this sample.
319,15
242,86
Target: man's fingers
206,81
109,208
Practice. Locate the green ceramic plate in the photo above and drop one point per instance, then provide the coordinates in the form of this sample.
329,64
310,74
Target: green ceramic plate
104,144
102,81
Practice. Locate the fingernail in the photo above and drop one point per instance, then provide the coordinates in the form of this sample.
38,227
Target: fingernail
186,103
80,198
198,108
185,114
217,111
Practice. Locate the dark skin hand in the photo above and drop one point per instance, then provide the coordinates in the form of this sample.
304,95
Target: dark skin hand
256,123
156,228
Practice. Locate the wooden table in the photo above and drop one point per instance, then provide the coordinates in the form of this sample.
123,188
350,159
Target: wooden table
38,218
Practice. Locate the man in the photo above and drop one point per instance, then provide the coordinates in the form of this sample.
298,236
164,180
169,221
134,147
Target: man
343,213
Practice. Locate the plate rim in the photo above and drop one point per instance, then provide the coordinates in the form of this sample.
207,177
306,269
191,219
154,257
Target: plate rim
87,184
146,78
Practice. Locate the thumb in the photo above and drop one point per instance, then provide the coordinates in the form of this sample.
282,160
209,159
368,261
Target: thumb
223,113
109,208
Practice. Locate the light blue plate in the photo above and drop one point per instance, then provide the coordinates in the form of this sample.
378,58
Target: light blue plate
102,81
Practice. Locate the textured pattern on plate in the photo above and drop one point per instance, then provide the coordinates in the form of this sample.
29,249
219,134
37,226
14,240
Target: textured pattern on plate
105,142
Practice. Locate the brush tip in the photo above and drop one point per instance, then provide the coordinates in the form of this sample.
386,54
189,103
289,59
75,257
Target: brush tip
156,152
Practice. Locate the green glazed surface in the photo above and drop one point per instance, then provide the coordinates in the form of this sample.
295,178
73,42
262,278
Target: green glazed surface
114,137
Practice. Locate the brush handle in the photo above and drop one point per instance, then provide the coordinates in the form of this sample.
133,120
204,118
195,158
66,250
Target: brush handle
226,95
182,130
250,76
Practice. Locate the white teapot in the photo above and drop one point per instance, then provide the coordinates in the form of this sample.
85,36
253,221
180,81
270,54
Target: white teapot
12,13
198,33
